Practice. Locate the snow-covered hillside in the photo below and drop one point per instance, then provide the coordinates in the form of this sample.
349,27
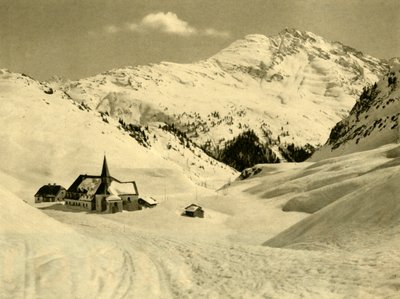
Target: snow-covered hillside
290,88
48,138
330,227
42,258
373,121
358,202
347,249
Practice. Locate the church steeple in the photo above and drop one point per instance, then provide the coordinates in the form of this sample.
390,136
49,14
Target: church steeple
105,176
105,173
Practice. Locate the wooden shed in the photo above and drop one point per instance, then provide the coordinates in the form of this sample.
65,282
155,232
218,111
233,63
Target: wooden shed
147,202
194,211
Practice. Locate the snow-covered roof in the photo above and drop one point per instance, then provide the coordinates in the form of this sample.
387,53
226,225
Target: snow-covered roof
113,198
193,208
90,185
121,188
149,200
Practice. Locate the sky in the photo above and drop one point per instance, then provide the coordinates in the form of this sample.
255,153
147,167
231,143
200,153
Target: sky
80,38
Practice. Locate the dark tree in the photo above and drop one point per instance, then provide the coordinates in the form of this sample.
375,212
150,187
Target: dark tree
245,151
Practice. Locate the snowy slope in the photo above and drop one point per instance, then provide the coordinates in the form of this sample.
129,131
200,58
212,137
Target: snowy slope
345,209
290,88
42,258
373,121
364,215
49,138
352,200
336,255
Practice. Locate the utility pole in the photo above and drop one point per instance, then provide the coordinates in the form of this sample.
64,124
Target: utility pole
398,131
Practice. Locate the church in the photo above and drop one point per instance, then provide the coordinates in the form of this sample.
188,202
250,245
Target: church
102,193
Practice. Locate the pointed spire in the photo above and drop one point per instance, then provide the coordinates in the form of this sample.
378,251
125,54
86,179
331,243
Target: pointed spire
105,176
105,173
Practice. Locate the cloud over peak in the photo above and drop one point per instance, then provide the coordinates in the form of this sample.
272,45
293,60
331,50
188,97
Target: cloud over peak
168,23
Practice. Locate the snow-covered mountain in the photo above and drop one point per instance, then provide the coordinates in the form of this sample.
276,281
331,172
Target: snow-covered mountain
46,137
372,122
340,214
290,89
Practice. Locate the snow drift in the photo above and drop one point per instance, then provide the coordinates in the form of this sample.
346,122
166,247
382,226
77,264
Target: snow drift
42,258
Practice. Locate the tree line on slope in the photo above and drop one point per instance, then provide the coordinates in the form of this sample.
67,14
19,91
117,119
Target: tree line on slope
246,150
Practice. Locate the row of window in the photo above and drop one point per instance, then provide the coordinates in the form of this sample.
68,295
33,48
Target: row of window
85,205
72,195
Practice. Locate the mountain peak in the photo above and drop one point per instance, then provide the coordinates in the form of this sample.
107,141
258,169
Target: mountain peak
278,86
295,32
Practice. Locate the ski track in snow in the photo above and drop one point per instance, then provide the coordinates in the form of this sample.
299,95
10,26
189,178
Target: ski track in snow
347,249
163,265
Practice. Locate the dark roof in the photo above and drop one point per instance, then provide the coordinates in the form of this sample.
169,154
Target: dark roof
78,181
105,177
193,207
49,190
102,189
81,177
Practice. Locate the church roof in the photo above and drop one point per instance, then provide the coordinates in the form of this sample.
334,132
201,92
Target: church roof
101,184
75,185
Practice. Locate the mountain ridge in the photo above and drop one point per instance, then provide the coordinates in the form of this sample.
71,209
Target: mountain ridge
289,89
372,122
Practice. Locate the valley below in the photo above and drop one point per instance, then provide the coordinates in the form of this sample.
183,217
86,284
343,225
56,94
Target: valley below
244,247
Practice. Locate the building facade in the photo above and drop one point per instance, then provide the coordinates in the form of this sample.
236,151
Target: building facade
50,193
103,193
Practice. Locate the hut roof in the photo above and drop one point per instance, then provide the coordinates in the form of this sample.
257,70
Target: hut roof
193,208
149,200
49,190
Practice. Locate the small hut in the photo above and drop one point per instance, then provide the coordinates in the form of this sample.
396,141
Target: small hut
194,211
50,193
147,202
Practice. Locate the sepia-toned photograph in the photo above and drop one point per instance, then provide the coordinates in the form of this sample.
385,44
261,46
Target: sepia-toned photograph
199,149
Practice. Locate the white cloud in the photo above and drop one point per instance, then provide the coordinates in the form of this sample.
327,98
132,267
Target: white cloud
168,23
216,33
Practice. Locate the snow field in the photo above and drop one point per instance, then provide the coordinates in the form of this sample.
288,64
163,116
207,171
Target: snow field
337,238
344,250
